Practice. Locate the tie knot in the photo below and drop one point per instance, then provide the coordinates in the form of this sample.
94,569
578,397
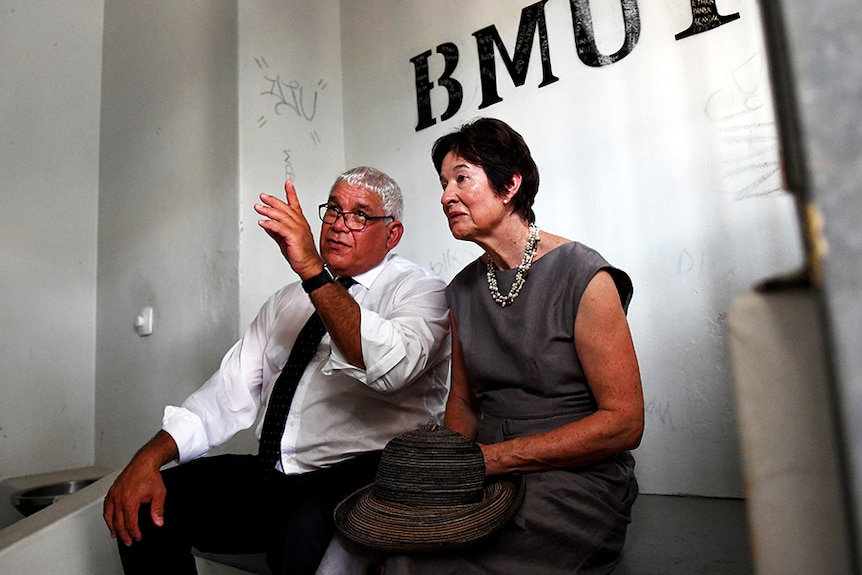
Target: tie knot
346,281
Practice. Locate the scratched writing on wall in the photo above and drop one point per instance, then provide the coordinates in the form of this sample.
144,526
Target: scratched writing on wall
450,261
286,97
749,144
289,97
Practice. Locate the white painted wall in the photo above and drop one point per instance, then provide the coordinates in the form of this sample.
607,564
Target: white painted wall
50,66
666,162
168,211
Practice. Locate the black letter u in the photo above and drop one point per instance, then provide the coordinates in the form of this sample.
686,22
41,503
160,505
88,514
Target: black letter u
585,38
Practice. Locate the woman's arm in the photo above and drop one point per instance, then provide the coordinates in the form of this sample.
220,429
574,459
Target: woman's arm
604,346
462,407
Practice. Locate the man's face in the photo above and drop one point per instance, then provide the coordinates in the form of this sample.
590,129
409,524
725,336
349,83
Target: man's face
348,252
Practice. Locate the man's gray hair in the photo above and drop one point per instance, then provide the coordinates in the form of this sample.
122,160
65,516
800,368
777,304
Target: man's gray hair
379,183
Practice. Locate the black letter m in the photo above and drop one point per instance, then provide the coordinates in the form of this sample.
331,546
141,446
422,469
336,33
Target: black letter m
531,17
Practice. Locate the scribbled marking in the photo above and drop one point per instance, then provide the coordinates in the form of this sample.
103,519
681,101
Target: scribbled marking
661,411
289,97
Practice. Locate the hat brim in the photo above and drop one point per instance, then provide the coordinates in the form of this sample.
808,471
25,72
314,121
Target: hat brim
393,527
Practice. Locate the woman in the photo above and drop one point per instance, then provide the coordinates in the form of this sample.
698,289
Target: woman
544,372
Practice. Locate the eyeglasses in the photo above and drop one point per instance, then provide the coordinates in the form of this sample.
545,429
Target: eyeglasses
355,221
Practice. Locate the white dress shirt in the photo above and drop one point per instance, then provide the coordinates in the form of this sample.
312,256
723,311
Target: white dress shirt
338,410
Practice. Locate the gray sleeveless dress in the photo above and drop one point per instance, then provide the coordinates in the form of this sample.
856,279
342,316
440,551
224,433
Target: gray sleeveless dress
522,365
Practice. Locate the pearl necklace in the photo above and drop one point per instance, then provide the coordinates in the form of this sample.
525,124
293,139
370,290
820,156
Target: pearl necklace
520,276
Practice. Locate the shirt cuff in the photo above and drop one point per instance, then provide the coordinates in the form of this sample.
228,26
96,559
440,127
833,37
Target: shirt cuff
188,432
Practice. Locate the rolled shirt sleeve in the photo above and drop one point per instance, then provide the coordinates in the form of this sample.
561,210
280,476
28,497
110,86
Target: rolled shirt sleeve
399,346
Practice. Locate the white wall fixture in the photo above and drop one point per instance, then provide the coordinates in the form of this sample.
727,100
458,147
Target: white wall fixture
144,322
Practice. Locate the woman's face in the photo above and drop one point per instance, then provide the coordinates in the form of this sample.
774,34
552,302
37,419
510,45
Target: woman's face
469,202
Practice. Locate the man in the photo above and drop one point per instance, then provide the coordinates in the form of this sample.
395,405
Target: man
381,370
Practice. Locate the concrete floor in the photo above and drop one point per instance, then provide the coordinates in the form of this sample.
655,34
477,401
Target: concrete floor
685,536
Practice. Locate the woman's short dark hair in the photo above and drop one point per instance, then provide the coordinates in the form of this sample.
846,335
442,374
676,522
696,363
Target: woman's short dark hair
495,147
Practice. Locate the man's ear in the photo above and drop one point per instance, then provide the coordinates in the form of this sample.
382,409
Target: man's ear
396,230
512,188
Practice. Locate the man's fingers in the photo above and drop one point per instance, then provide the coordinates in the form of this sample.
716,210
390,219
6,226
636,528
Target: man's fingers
279,210
108,516
291,200
115,517
275,230
157,509
120,526
290,194
131,518
270,203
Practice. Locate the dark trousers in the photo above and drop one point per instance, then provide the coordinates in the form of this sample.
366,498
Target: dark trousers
231,504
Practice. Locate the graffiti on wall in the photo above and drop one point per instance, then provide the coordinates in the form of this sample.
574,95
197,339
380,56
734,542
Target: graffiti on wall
291,98
704,13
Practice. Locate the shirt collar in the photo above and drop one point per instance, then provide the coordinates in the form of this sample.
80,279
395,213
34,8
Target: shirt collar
365,279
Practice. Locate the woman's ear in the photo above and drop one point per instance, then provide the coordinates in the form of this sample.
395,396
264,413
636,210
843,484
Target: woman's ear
512,188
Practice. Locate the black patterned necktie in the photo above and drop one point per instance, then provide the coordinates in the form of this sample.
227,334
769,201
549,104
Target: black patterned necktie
304,348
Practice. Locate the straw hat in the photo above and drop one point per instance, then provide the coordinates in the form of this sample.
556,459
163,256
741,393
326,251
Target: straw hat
430,494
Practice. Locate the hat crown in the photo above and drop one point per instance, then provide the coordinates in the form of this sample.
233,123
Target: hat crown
431,467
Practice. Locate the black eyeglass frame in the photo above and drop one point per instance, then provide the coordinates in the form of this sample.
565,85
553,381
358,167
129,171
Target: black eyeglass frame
322,210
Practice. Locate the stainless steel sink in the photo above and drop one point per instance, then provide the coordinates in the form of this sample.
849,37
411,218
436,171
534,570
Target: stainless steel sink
29,501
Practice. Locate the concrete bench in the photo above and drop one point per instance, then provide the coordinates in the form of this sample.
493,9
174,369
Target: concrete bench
668,535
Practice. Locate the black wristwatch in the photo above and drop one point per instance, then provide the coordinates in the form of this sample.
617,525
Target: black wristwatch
325,277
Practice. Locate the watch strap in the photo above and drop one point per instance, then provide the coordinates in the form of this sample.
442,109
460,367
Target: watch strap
320,280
